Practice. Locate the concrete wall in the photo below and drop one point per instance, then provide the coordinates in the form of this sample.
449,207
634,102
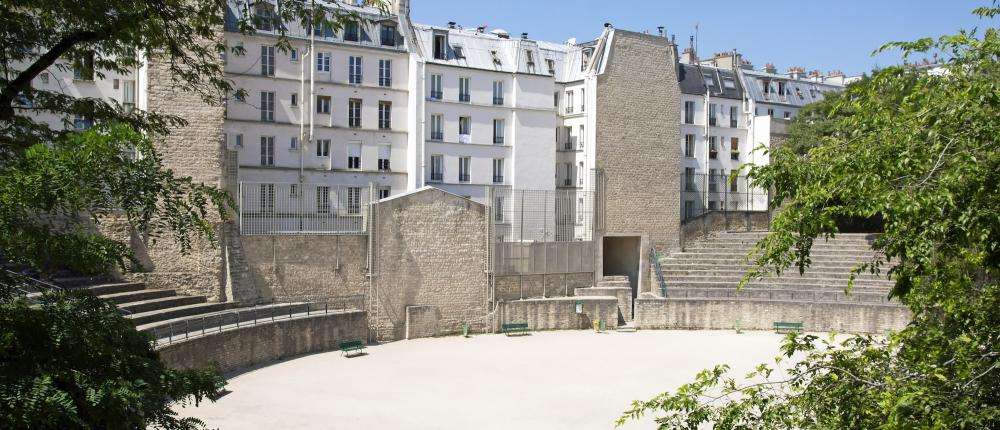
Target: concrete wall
658,313
622,294
245,347
307,267
533,286
560,313
430,250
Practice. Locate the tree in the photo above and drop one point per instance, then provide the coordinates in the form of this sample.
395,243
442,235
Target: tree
68,360
921,150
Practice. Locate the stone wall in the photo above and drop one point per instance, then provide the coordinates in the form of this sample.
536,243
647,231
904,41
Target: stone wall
430,251
659,313
560,313
535,286
722,221
622,293
422,321
246,347
307,267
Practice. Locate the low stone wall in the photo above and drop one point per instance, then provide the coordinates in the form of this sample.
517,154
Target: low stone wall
559,313
719,221
536,286
622,294
660,313
245,347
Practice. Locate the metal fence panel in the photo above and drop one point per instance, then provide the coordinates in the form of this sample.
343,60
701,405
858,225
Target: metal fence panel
706,192
291,208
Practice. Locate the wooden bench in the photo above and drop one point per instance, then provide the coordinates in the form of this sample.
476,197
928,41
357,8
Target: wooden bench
515,328
787,327
352,346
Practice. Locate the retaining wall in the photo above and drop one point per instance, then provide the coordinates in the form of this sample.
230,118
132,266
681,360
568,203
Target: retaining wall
722,221
516,287
559,313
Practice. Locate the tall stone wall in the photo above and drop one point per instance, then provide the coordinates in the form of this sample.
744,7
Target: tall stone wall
638,133
307,267
516,287
430,250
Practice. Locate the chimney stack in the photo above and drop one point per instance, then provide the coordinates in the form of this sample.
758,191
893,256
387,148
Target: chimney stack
660,30
524,35
451,24
769,68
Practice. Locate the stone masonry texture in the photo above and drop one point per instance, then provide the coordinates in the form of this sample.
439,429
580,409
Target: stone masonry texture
638,131
307,267
560,313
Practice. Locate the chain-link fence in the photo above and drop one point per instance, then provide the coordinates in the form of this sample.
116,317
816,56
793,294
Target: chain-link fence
718,191
291,208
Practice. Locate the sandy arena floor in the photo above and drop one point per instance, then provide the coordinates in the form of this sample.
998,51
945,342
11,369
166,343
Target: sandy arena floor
548,380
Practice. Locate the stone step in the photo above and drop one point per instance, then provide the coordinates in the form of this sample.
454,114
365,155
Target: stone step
148,317
161,303
789,280
779,294
114,288
206,321
791,272
761,284
734,253
136,296
72,282
736,247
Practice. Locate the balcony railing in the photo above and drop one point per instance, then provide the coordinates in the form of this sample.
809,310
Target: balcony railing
497,179
498,101
568,182
568,146
498,140
437,176
436,95
437,135
384,125
385,82
463,177
569,110
464,98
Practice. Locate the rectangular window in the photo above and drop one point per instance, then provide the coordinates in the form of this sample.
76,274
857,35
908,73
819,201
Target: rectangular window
293,55
354,70
239,141
323,104
323,62
293,190
83,68
583,100
293,143
437,127
689,145
440,42
384,115
263,17
267,106
498,129
354,156
569,102
529,60
568,138
713,181
712,116
713,148
580,137
387,35
437,167
498,93
323,148
294,101
688,209
689,112
463,168
555,99
436,87
498,170
689,179
459,52
267,198
352,32
384,192
266,60
734,148
788,114
551,64
322,199
498,208
384,155
267,150
354,113
734,116
128,95
354,200
734,185
770,112
463,90
567,174
464,129
385,73
81,123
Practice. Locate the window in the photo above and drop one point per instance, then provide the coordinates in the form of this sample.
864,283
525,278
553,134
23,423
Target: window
734,116
782,91
551,65
709,81
83,68
788,114
437,167
580,137
459,52
385,73
354,70
713,182
323,62
293,143
464,129
587,53
81,123
387,36
44,76
353,200
712,116
128,95
323,148
239,141
689,179
713,205
323,104
293,55
322,199
569,102
354,156
437,127
568,174
734,185
689,112
734,148
579,174
354,113
689,145
267,150
293,190
294,99
729,84
267,198
267,106
583,100
498,129
384,155
688,209
436,87
770,112
529,60
555,99
496,58
383,192
266,60
568,138
766,86
463,169
352,31
440,42
498,170
384,115
263,17
498,92
463,89
713,148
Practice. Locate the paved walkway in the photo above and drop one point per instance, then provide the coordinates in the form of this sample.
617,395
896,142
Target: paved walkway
548,380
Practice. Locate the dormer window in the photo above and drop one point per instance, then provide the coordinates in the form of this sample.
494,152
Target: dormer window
496,58
766,85
352,32
551,64
388,35
263,17
440,46
709,81
585,60
529,60
729,84
459,52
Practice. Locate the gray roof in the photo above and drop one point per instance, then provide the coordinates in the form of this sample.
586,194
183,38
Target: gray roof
798,92
485,51
695,79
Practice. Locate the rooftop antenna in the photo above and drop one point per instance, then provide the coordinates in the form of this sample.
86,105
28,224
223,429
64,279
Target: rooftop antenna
696,40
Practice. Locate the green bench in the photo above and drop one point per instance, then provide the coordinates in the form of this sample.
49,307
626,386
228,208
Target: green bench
515,328
352,346
786,327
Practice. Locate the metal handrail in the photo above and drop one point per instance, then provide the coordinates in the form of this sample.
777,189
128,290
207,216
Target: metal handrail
659,270
46,286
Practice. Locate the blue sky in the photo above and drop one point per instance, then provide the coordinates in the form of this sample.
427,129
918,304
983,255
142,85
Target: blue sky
825,35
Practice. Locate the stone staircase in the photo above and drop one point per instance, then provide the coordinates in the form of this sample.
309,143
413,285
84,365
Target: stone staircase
612,286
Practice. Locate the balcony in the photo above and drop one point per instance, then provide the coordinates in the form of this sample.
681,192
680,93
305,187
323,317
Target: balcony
498,101
436,95
464,98
437,135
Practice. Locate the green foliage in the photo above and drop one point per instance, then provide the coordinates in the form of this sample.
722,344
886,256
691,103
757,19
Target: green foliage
921,150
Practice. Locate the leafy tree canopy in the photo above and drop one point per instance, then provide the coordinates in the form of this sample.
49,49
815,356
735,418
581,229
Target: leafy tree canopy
920,149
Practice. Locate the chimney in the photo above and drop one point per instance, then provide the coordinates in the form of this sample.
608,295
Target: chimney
607,25
451,24
796,72
769,68
481,29
660,31
524,35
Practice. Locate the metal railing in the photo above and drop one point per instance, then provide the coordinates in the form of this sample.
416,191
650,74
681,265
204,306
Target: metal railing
283,208
702,193
498,101
464,97
27,286
197,326
658,268
436,95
